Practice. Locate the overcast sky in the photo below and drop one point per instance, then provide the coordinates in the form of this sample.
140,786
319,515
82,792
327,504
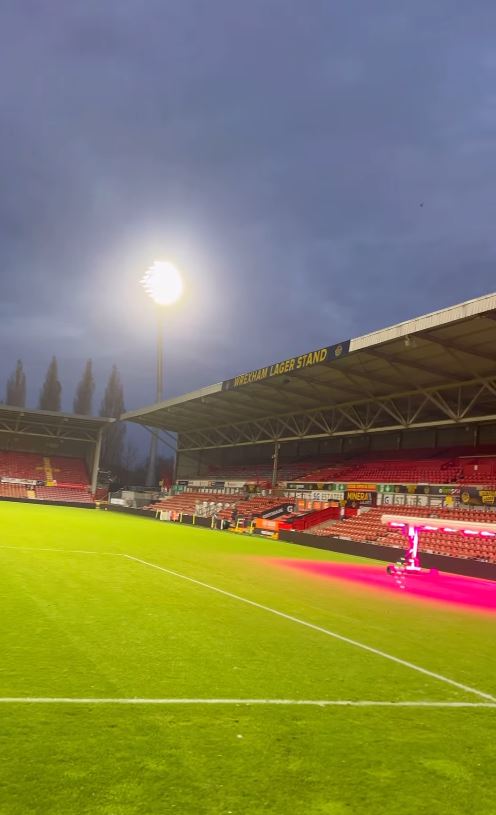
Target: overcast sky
316,170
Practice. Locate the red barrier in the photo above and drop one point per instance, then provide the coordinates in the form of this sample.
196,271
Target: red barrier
314,518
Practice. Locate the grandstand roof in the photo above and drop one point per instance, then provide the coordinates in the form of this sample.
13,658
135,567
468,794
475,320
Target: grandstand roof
438,369
47,424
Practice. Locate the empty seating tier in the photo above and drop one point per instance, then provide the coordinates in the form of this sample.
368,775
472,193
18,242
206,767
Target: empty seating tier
187,502
35,467
13,491
59,478
191,503
69,495
452,466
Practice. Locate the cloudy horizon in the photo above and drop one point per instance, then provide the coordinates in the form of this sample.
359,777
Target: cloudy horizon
315,172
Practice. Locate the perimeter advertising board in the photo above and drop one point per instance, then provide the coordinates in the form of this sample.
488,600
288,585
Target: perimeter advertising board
364,498
310,486
24,481
478,496
419,489
323,356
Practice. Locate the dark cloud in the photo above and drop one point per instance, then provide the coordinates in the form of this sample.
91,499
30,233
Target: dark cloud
279,152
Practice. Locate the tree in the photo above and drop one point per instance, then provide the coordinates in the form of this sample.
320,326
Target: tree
112,406
16,387
51,392
83,400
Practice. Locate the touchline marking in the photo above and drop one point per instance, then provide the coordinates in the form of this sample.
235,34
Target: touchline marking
319,628
69,700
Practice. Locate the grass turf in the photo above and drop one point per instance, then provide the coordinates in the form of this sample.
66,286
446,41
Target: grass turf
96,625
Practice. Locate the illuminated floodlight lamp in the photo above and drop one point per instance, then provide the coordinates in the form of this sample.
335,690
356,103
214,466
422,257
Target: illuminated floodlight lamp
412,526
163,283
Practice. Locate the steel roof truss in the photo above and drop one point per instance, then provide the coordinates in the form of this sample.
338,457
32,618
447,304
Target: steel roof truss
422,408
410,363
455,347
23,426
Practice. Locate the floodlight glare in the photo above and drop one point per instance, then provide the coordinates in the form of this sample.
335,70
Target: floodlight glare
162,282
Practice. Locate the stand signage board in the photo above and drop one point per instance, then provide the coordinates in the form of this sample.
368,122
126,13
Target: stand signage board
321,356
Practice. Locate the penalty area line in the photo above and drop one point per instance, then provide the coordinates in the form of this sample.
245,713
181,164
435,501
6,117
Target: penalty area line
69,700
356,643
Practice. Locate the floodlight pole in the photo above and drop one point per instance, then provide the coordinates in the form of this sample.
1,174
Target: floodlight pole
151,475
275,467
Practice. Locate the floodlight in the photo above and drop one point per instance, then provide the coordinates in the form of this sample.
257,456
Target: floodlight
163,283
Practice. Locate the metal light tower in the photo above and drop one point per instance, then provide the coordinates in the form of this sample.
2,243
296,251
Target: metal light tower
163,283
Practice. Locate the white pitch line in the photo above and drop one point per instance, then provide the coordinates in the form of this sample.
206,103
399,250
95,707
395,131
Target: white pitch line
69,700
321,630
282,614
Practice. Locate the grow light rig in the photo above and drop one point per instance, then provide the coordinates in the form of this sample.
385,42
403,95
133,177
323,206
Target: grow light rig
411,526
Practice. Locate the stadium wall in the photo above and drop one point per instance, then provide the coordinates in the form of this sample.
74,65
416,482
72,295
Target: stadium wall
129,511
73,504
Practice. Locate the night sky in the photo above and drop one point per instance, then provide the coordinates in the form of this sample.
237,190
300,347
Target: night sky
315,169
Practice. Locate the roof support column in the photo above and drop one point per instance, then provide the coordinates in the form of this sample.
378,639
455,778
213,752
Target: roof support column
96,461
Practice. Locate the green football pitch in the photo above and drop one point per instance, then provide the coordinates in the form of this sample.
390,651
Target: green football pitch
150,668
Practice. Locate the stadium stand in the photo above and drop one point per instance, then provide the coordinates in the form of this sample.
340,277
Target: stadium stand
222,505
258,505
188,502
403,416
13,491
21,465
72,495
62,478
261,473
35,467
398,471
458,465
69,470
478,470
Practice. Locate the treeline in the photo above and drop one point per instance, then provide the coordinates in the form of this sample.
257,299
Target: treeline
50,398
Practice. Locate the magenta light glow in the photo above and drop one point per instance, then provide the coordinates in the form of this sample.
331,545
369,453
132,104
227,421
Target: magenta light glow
457,591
